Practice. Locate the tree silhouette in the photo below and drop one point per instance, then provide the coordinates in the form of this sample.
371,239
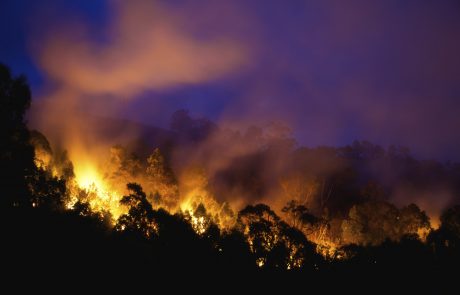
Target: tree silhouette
413,221
299,252
16,152
235,252
370,223
260,226
140,218
47,190
43,151
450,221
446,239
299,216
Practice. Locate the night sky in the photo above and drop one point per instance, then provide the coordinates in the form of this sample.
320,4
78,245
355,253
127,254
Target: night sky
335,71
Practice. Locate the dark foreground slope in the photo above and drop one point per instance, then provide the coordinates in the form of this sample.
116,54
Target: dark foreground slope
62,248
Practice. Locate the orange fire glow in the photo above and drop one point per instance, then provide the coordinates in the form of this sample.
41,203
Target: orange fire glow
101,197
91,185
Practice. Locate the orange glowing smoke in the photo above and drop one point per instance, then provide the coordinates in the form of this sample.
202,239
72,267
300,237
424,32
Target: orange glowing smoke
149,47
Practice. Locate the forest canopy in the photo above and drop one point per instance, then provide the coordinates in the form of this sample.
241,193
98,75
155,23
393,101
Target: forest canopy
215,198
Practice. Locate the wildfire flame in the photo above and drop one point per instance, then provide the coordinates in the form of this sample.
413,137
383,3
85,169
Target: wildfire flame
92,186
95,190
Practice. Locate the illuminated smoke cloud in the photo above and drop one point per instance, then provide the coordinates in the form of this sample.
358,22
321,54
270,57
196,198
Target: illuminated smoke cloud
148,48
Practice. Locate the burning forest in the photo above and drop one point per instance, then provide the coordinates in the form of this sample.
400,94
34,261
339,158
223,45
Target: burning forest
87,180
317,193
293,207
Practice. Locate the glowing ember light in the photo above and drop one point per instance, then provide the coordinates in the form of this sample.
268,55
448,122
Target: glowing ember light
260,262
71,202
200,224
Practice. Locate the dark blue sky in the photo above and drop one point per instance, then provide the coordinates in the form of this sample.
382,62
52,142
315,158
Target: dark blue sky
386,71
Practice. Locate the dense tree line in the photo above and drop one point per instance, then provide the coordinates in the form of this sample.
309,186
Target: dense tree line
345,193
